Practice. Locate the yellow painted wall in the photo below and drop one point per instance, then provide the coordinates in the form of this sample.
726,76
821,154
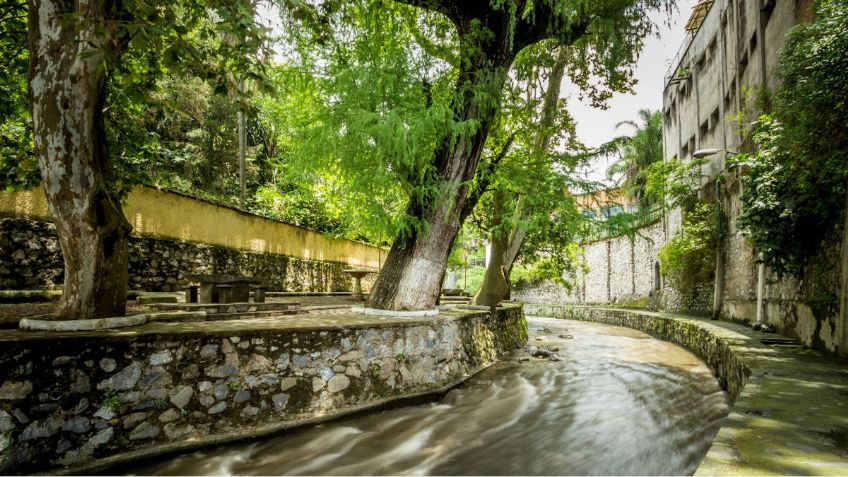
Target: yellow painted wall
162,214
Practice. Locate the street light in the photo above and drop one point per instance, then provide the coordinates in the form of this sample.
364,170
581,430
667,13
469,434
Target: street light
701,153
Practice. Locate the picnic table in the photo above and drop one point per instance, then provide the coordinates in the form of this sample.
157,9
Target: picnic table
221,288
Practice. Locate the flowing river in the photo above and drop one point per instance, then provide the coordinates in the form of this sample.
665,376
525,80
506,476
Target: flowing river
609,401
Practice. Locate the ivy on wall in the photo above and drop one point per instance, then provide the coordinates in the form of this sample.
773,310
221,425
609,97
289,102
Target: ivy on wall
796,182
688,259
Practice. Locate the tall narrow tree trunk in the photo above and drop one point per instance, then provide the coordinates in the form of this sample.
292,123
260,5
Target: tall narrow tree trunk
843,286
69,43
496,283
412,275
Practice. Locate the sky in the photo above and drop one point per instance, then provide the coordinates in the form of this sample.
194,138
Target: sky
596,126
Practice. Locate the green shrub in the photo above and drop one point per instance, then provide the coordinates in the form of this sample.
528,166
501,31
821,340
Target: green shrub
795,183
688,260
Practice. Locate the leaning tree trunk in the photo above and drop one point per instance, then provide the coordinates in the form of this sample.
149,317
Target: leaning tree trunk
496,283
70,44
412,276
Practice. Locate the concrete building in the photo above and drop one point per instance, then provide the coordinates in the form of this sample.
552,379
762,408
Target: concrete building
728,59
605,203
714,89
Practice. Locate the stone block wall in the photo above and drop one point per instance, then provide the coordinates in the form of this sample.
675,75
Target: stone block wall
81,402
618,269
30,258
595,282
804,307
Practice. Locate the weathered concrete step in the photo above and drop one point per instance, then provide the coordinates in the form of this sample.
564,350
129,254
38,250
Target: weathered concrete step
216,308
294,294
193,316
454,299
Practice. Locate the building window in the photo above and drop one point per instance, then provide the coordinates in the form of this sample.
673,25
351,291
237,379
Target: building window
705,128
589,213
714,119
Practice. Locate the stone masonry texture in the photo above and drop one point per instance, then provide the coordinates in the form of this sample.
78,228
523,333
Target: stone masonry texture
30,258
65,403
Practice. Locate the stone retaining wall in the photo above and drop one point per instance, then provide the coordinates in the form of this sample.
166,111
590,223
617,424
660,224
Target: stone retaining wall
618,269
30,258
86,401
731,372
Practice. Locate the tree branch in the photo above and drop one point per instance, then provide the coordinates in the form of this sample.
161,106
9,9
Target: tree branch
484,178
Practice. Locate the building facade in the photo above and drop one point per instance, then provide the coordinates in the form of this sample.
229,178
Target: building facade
716,86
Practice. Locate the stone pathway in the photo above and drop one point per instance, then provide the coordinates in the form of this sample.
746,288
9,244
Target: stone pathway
789,419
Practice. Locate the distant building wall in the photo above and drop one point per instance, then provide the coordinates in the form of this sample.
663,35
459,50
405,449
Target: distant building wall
175,236
618,270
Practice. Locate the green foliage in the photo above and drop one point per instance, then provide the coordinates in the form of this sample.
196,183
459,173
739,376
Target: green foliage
549,267
673,183
475,276
111,399
622,224
380,105
18,168
160,404
795,183
636,152
688,259
188,40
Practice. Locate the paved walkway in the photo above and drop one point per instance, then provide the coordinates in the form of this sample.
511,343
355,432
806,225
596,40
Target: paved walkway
790,418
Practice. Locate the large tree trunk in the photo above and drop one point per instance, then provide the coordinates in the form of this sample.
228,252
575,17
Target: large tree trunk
412,275
495,284
68,65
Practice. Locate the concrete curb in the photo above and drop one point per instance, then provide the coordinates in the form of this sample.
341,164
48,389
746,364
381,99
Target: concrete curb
393,313
110,323
82,325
